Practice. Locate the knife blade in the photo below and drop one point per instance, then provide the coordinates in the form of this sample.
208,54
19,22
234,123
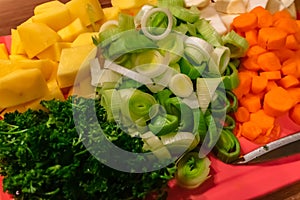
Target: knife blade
283,147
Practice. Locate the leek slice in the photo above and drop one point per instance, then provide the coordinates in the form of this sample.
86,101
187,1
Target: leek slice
221,56
170,3
181,85
231,79
205,89
126,22
140,15
109,24
190,15
146,17
173,46
208,32
163,124
227,148
127,72
106,102
236,43
150,63
192,171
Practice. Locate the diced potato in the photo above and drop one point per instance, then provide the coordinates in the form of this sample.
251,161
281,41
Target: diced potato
54,92
56,17
16,44
23,85
84,88
17,57
128,4
89,11
71,31
53,52
44,65
74,64
6,67
84,39
44,7
111,13
36,37
3,51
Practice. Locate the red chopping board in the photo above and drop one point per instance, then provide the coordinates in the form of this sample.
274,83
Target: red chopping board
236,182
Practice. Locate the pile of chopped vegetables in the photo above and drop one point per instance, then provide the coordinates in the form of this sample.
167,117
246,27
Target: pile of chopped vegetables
168,90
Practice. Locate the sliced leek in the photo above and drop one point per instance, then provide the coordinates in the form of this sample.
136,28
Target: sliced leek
181,85
236,43
192,171
205,89
145,28
221,56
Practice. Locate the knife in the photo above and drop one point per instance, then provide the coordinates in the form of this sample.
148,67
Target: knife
283,147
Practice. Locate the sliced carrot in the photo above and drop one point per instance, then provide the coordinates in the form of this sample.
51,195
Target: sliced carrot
255,50
250,63
279,15
291,42
259,84
238,129
294,93
277,102
288,81
269,62
250,130
251,102
271,84
289,25
283,54
264,17
272,75
271,134
262,120
271,38
251,37
244,85
245,22
289,67
294,114
242,114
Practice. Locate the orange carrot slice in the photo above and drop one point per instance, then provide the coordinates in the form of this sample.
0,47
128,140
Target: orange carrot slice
259,84
277,102
251,102
271,38
289,81
245,22
268,62
294,114
250,130
272,75
251,37
242,114
264,17
255,50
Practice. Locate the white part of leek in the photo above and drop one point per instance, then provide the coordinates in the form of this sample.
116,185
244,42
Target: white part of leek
205,88
162,81
147,16
127,72
154,144
138,18
227,18
197,3
186,140
181,85
200,43
191,101
221,56
209,13
108,24
100,76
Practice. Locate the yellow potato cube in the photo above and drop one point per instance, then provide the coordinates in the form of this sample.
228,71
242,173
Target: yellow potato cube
44,65
74,64
6,67
89,11
84,39
53,52
56,17
3,51
84,88
128,4
71,31
36,37
44,7
17,57
23,85
16,44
